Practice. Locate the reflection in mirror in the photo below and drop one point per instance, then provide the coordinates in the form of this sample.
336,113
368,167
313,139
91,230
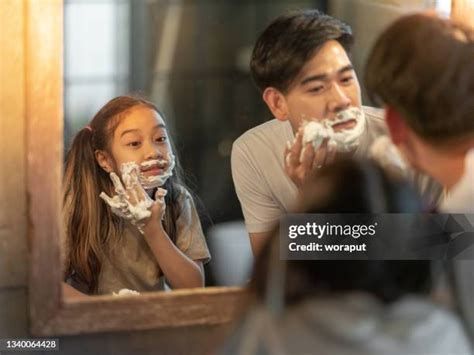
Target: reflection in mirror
190,60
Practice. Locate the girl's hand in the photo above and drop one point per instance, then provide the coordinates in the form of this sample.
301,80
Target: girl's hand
159,207
131,202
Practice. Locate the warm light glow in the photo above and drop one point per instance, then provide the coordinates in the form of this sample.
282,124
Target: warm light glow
463,11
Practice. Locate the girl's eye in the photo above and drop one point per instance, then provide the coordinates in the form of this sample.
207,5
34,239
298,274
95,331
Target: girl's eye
161,139
134,144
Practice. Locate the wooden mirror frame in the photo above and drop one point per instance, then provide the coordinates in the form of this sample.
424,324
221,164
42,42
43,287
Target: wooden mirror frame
50,312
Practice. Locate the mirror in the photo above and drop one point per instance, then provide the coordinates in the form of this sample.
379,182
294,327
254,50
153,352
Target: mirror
50,313
197,77
191,59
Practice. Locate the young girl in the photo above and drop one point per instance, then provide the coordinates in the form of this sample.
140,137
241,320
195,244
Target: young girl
129,221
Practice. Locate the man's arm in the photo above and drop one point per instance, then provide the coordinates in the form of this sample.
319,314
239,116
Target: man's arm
258,241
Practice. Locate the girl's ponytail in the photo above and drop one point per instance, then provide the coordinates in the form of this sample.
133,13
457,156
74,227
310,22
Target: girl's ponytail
85,215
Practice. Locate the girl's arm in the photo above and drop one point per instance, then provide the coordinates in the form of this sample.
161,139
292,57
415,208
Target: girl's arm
180,271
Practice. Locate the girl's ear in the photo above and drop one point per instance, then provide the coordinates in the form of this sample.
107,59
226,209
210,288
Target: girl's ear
104,160
276,102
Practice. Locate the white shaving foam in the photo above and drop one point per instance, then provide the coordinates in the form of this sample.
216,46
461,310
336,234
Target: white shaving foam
150,182
346,140
126,292
141,209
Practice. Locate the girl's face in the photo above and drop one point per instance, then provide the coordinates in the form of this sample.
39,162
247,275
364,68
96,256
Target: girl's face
140,136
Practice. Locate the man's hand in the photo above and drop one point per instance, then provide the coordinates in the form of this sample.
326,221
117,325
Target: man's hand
301,160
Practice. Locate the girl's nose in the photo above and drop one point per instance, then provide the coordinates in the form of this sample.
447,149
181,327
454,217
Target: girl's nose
153,152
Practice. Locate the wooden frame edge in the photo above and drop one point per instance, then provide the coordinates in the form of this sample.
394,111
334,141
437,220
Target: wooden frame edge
50,314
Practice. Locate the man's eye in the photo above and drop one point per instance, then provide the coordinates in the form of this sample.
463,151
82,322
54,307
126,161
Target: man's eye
134,144
347,80
317,89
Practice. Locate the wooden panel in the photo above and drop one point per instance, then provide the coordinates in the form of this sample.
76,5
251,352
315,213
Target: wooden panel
182,341
463,11
216,305
13,258
12,146
13,313
43,43
12,109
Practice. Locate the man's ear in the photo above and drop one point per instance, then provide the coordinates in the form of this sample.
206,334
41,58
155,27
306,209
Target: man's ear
396,126
104,160
276,102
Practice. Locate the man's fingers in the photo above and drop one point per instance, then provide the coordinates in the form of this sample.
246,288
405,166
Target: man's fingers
297,145
320,155
307,156
331,155
291,160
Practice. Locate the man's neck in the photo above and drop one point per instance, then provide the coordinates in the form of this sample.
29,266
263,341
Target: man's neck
446,165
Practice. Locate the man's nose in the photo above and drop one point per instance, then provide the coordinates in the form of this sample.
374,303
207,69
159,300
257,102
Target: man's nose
339,100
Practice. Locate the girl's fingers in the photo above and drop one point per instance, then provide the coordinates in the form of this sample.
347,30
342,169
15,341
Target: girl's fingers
119,189
108,200
160,194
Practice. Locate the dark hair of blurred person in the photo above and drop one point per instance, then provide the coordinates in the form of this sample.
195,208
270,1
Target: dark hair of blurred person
351,187
347,306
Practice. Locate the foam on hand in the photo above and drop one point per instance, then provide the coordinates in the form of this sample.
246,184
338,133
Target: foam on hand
126,292
140,208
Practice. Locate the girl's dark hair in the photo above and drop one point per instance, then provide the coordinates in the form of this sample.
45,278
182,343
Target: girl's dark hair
91,227
349,187
287,44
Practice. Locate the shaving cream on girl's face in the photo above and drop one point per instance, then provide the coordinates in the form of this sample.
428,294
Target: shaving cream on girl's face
345,140
165,168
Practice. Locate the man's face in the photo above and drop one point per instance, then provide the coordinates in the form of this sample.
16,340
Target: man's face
326,85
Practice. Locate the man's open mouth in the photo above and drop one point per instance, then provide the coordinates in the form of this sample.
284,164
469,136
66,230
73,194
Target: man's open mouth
343,125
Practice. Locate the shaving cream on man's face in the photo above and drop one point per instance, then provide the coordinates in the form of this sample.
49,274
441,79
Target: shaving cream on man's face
345,140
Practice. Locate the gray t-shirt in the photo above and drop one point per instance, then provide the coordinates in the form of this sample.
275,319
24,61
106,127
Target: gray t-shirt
352,324
130,262
133,265
264,189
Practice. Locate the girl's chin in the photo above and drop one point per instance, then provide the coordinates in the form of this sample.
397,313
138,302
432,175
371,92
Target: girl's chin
153,172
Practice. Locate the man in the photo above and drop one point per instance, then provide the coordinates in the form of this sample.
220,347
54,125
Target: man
301,65
422,69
